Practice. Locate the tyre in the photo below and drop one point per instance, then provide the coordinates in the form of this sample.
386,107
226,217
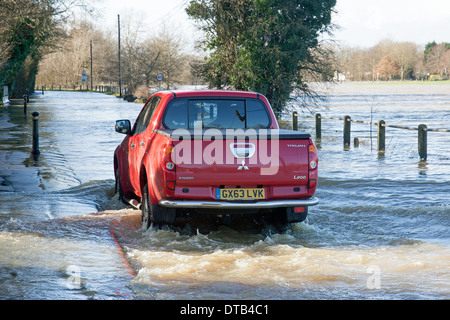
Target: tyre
118,186
145,207
154,213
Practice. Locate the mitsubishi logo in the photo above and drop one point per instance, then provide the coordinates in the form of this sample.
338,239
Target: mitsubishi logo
243,166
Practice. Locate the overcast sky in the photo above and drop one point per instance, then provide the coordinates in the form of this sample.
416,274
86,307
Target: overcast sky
363,23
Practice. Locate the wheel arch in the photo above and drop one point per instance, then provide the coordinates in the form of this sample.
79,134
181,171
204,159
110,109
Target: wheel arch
144,179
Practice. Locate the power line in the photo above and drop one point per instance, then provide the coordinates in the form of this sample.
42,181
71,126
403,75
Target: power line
160,20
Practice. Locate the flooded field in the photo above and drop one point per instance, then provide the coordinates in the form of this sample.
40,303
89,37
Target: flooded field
381,230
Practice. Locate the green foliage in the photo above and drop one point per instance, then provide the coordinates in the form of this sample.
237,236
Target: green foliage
23,44
263,45
428,48
25,27
430,45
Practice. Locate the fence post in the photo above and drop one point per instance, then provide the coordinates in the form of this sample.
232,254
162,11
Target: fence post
347,126
381,136
294,121
35,149
422,142
318,126
25,103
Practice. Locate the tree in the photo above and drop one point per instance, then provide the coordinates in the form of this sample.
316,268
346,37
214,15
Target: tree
65,63
386,68
170,57
143,56
26,27
437,59
264,45
404,54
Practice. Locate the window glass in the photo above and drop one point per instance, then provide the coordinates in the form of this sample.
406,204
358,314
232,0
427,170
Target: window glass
176,116
216,113
146,115
257,116
220,114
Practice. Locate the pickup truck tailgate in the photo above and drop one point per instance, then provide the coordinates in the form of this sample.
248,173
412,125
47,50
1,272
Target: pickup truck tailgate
257,158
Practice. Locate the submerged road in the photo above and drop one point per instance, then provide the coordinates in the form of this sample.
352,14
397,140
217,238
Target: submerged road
379,232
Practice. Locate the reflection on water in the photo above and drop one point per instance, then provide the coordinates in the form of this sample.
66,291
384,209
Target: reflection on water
379,232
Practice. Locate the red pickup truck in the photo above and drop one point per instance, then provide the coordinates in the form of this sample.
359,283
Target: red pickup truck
217,153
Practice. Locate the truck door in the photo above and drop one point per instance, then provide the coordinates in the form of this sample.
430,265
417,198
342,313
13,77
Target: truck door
137,144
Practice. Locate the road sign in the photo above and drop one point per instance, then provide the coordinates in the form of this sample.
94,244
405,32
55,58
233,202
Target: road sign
84,76
160,77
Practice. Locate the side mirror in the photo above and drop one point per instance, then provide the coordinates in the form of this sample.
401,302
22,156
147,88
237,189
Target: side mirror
123,126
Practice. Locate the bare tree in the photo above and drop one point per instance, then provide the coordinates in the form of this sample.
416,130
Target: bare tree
359,64
65,64
438,60
171,62
404,54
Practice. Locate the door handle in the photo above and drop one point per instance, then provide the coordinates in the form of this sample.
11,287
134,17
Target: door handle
132,145
142,143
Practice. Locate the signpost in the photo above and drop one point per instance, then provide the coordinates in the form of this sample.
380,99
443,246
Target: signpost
160,77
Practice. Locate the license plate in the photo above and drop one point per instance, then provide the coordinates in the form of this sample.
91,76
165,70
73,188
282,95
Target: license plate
240,194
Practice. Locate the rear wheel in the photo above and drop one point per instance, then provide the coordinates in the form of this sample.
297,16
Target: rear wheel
154,213
118,186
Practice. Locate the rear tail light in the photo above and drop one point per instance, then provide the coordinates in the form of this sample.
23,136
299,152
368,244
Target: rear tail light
312,156
167,157
313,161
168,170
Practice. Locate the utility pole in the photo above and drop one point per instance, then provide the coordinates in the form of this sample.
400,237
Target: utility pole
92,72
120,62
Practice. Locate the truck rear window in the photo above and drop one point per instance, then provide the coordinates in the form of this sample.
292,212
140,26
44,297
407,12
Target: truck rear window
216,113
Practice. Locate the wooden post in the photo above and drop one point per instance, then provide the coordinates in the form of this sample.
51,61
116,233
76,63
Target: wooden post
381,136
35,149
422,142
294,121
25,103
347,126
318,126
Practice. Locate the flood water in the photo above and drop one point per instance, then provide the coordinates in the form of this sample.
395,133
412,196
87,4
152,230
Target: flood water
381,230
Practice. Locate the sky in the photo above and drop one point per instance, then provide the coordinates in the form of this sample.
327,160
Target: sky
363,23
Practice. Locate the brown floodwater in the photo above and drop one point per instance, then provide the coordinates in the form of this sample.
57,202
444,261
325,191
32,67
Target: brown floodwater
381,230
